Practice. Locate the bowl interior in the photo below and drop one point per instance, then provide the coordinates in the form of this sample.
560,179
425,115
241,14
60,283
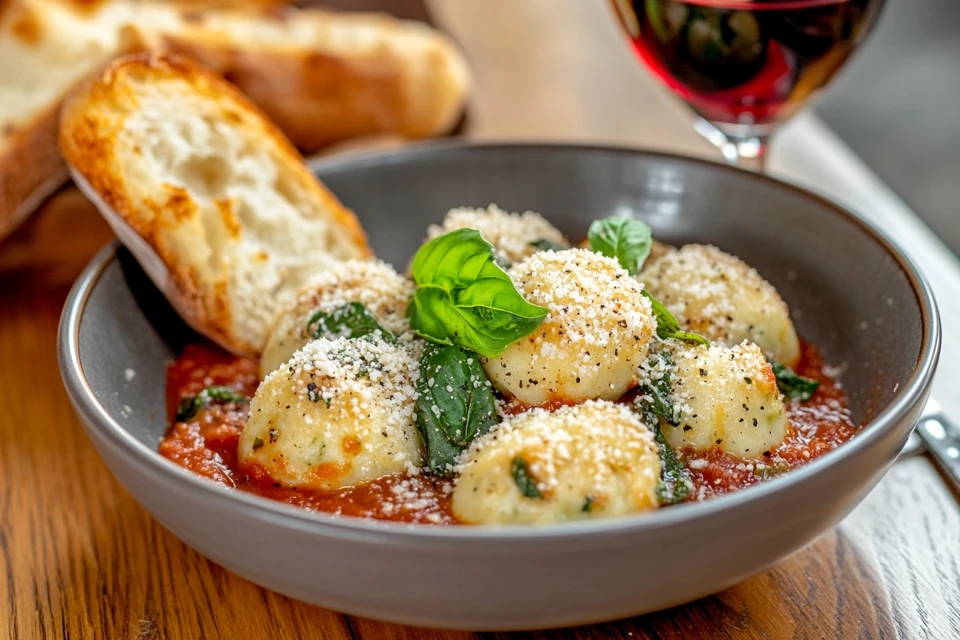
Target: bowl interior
847,293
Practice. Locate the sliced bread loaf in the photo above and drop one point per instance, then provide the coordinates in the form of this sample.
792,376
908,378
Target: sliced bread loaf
211,197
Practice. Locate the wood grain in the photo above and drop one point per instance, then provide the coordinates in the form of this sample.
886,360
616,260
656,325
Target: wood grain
80,559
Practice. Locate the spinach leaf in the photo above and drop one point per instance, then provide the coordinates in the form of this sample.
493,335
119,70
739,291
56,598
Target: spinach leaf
464,298
351,320
674,487
525,481
659,404
191,405
795,387
625,239
547,245
667,325
455,404
653,404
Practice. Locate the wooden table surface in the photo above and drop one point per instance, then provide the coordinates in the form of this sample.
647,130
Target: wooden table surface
80,559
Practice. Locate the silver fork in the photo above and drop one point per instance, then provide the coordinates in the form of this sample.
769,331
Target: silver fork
939,437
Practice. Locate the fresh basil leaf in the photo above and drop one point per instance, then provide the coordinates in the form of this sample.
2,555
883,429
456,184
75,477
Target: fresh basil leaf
191,405
547,245
526,482
464,298
351,320
667,325
455,404
795,387
625,239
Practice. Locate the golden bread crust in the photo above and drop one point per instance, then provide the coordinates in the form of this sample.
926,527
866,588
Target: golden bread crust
413,82
30,168
322,77
98,140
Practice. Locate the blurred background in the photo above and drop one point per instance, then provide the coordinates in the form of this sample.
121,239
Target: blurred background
562,70
896,105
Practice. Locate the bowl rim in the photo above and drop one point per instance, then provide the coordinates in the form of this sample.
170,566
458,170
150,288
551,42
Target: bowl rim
96,418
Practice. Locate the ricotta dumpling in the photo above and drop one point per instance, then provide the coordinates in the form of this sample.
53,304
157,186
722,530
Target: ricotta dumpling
727,398
724,299
511,234
592,460
591,342
375,285
339,413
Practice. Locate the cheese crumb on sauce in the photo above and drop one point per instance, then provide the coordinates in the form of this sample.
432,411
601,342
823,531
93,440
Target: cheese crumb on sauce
511,234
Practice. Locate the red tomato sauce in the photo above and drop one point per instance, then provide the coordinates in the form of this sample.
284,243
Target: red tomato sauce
207,445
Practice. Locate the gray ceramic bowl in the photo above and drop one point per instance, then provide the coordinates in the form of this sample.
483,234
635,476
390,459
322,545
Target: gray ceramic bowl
851,290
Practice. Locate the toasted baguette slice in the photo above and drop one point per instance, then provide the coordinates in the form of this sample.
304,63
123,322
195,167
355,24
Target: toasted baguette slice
325,76
45,49
322,77
208,194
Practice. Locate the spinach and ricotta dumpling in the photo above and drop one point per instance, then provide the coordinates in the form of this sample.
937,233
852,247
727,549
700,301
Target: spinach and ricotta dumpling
722,298
382,292
723,397
340,412
514,236
593,339
592,460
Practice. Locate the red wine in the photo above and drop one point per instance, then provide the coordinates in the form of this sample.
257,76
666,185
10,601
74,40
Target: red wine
741,61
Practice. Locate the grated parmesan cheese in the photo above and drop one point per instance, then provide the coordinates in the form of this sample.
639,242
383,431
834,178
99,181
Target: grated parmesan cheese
596,332
375,285
511,234
721,297
591,460
727,399
339,412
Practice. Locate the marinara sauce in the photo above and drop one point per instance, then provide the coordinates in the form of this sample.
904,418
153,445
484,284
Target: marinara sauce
207,445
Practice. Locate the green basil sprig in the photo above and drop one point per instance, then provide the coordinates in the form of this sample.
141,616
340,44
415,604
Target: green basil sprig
668,326
191,405
547,245
625,239
655,403
792,385
351,320
455,404
526,482
464,298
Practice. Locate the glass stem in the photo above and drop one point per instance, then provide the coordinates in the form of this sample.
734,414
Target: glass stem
747,152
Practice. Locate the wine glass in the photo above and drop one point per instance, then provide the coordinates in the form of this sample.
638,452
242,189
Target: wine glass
745,66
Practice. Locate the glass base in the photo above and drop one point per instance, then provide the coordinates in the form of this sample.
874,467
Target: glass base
742,145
